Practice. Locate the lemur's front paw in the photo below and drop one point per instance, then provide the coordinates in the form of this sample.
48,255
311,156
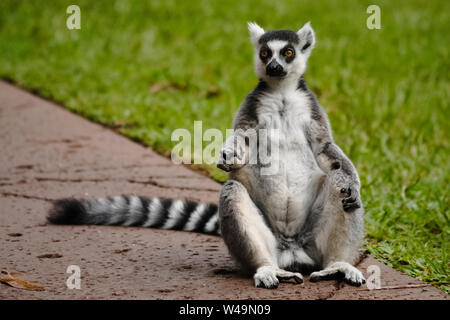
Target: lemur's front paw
351,199
227,159
266,277
269,277
230,159
338,271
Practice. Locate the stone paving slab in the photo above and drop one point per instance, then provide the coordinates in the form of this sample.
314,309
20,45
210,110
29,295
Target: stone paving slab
48,153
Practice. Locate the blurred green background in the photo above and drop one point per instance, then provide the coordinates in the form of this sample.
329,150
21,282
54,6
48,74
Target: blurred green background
146,68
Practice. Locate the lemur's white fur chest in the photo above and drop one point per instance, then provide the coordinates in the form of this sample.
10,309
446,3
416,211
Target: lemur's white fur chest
287,113
286,194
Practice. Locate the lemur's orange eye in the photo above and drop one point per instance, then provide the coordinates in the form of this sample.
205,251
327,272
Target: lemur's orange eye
288,53
264,53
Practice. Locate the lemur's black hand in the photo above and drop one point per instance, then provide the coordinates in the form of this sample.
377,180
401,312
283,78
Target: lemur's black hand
351,200
227,159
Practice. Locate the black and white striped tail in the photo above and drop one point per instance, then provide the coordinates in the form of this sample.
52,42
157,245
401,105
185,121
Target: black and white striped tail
137,211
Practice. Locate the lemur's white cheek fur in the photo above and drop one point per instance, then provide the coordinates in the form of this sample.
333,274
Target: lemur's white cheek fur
260,68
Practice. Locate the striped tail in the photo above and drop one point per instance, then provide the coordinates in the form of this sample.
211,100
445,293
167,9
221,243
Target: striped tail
137,211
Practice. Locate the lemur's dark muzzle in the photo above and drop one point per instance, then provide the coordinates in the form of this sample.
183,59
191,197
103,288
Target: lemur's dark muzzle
274,69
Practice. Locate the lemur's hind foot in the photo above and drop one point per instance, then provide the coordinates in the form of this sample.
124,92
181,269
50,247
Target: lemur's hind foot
337,271
269,277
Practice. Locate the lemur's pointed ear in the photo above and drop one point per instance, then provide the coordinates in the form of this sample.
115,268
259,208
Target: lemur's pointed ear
255,32
307,38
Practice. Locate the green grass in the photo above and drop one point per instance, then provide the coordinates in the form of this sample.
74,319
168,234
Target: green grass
386,91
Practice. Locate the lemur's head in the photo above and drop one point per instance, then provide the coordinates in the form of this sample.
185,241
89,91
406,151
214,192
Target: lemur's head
281,54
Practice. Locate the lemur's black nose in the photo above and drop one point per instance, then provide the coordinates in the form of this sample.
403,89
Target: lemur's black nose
274,69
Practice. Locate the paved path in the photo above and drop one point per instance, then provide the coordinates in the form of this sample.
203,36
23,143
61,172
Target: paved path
49,153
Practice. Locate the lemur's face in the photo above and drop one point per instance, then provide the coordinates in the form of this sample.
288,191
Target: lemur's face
281,54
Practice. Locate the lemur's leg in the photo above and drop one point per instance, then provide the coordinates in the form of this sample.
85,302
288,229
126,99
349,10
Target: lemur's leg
339,231
248,238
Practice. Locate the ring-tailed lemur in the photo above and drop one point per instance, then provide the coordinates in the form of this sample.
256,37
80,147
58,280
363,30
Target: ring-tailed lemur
305,217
